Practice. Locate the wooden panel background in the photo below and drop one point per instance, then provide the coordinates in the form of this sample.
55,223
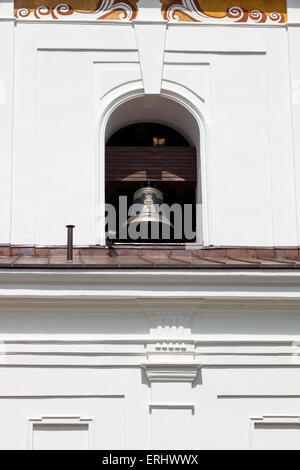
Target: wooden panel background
151,163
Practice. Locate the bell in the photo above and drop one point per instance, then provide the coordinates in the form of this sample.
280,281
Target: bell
150,199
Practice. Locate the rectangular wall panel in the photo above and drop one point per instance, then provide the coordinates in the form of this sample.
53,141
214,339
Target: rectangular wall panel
65,159
171,428
259,422
240,147
276,436
60,437
294,41
58,422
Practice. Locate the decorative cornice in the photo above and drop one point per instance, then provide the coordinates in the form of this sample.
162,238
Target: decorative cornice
212,285
97,351
172,11
171,371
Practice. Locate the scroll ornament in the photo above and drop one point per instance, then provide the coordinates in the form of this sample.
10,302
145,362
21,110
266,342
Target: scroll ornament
191,10
125,10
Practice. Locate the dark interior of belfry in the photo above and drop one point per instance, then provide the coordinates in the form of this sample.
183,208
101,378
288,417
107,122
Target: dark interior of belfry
154,166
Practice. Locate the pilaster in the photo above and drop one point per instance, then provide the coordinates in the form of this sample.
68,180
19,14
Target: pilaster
171,369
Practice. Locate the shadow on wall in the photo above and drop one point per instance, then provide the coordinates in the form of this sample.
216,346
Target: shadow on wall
128,318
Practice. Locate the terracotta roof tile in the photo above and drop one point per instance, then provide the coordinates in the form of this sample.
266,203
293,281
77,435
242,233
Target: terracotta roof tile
150,256
26,261
7,261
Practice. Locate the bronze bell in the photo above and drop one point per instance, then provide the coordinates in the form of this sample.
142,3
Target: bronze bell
150,199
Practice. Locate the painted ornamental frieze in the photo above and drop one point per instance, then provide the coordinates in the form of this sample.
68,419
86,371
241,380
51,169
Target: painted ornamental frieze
174,11
228,11
125,10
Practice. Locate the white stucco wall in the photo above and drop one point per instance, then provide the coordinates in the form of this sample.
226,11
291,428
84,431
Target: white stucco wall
156,359
151,360
293,38
66,73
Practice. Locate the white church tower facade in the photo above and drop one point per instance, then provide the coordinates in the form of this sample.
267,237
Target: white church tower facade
113,341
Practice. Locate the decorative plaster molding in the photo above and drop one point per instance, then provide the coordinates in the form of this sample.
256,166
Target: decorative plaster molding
176,351
271,420
131,352
237,285
170,320
172,406
150,38
171,372
276,419
61,420
164,347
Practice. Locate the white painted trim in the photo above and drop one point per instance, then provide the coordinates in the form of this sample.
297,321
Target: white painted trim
195,106
108,104
149,22
61,419
107,294
33,274
172,406
220,340
169,24
171,371
220,352
55,395
270,419
151,48
220,24
79,21
235,285
186,99
277,419
257,395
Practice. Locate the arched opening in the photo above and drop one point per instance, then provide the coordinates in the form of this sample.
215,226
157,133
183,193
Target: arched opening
152,142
